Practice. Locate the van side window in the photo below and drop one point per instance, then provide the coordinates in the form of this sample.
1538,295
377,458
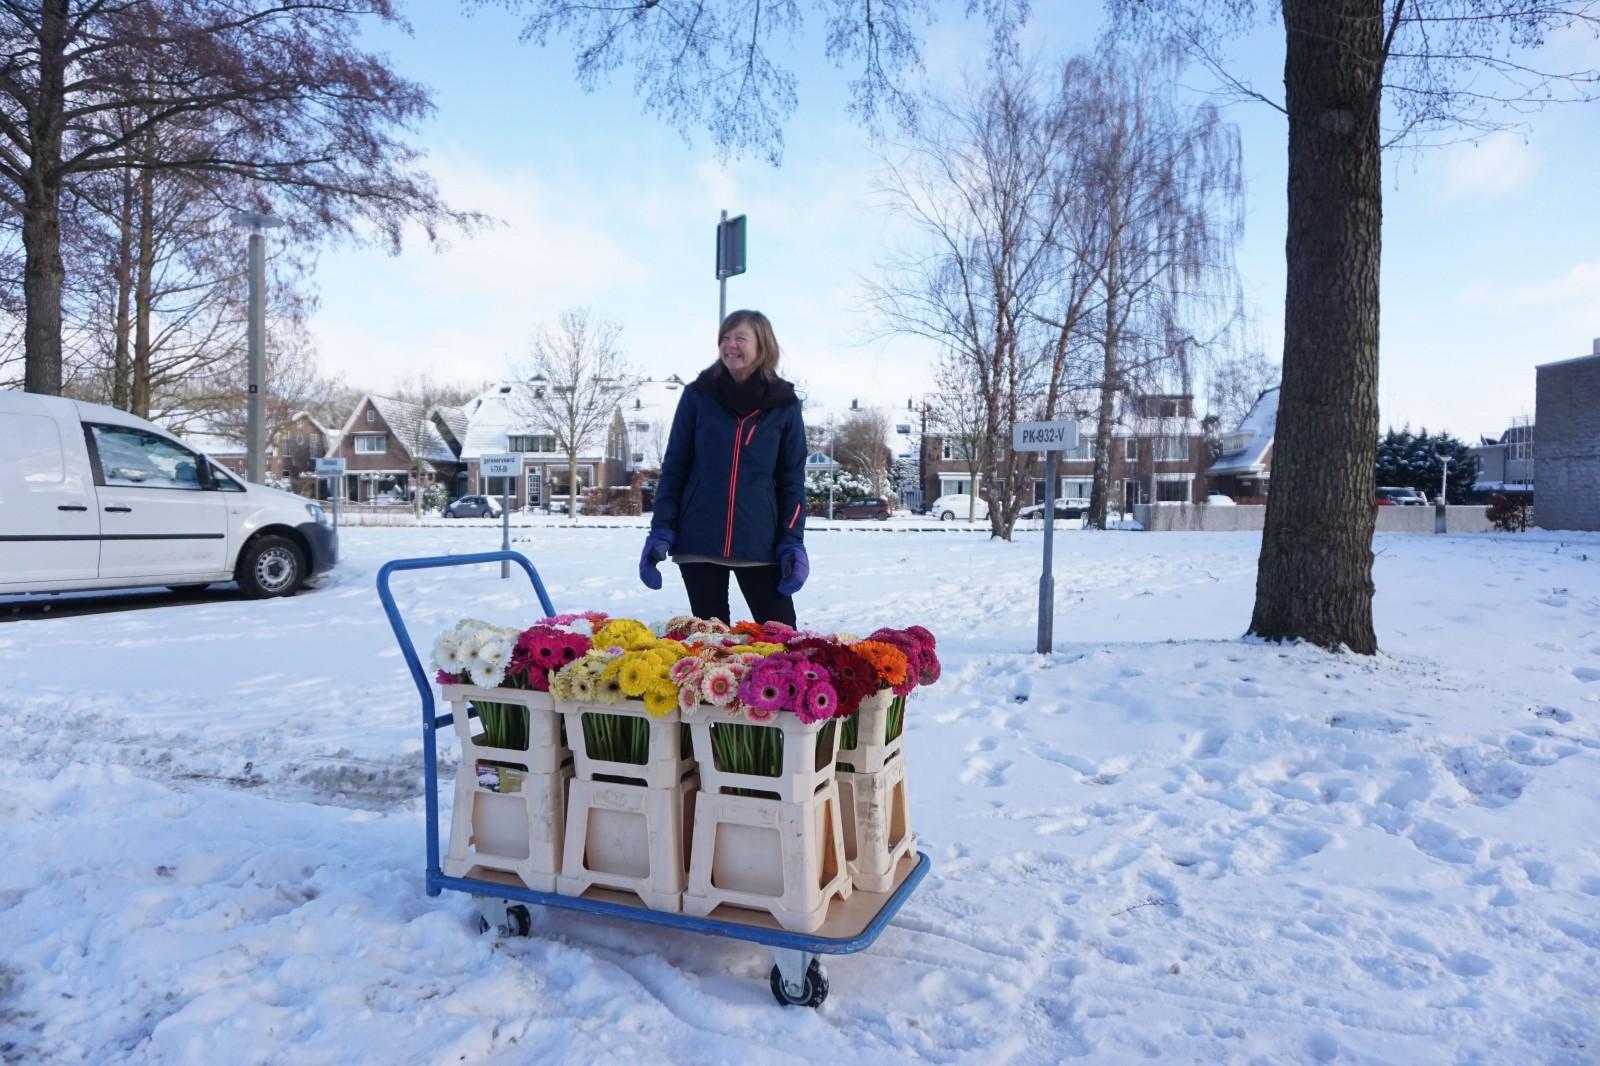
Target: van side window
224,480
133,457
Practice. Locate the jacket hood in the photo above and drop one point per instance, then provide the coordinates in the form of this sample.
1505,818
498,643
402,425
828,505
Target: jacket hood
779,392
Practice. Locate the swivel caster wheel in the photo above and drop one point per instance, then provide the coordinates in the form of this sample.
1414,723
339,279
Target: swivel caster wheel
812,991
517,922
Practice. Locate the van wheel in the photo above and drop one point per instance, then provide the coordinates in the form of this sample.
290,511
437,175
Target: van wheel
948,516
271,566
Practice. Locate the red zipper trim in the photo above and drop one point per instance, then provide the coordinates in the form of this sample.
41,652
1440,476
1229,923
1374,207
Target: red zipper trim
733,482
749,435
796,517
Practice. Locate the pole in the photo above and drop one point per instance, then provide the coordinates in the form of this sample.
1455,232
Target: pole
1047,581
722,277
255,445
833,469
505,526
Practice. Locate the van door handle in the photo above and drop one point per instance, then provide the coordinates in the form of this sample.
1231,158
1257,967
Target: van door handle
72,507
118,510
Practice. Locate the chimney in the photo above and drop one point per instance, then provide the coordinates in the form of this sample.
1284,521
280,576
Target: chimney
855,405
1597,346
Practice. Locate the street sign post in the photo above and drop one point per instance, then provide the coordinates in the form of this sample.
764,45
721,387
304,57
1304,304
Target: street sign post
730,258
1050,438
333,470
505,466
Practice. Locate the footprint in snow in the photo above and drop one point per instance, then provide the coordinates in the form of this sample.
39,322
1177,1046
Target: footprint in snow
1586,673
979,770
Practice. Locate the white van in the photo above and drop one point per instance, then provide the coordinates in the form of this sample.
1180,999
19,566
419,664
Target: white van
94,498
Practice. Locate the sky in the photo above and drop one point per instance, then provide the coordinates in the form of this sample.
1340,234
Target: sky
1491,260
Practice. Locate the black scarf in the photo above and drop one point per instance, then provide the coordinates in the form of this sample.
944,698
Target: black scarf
740,398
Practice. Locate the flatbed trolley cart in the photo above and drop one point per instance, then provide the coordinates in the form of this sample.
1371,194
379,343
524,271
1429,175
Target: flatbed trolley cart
797,977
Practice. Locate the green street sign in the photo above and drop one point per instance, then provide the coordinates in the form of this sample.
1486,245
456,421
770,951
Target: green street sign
731,247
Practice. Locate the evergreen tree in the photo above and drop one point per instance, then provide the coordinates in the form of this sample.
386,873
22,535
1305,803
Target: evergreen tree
1412,461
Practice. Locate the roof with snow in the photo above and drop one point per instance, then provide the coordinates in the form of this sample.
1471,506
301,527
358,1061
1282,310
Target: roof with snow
1245,449
409,422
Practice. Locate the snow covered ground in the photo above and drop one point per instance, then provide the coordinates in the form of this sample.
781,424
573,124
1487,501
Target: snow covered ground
1161,843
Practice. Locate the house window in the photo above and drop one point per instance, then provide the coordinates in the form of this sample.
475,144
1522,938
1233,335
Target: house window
372,443
1131,450
1076,488
372,416
1084,449
952,486
1174,488
1172,449
641,427
953,450
638,457
531,442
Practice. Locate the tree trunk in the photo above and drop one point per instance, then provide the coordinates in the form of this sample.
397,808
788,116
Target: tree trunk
1314,581
143,283
1110,379
122,328
41,214
572,486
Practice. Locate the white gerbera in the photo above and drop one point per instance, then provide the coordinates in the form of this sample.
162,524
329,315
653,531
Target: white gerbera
487,674
444,650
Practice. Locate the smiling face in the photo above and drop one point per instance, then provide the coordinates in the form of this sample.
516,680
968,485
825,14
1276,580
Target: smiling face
740,351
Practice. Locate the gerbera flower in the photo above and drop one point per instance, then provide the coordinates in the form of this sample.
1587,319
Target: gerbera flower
720,686
819,702
634,676
660,699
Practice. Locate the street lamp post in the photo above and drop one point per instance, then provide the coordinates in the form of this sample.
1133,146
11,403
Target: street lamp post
1444,476
255,446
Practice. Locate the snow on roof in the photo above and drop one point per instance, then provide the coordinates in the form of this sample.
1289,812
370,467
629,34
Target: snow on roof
1245,449
409,423
455,419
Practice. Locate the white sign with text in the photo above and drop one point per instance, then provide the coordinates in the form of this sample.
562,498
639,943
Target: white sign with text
500,464
1058,436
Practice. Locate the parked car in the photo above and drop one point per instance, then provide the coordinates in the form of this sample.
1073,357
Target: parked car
1389,495
958,505
472,507
1217,499
1065,507
869,508
96,498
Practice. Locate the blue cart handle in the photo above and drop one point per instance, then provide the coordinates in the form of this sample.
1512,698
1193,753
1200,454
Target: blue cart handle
403,635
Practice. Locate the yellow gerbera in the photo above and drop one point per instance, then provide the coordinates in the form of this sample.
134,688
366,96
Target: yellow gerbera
635,676
661,698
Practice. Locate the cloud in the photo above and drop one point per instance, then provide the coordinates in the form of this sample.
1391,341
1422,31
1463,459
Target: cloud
1569,302
1499,164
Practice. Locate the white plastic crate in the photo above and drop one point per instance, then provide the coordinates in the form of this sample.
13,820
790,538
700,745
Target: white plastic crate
628,837
518,832
544,754
872,749
783,857
667,759
877,824
809,752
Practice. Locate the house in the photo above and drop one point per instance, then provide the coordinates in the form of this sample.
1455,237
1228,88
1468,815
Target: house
302,440
901,445
1157,450
223,450
646,420
501,420
393,448
1566,466
1243,468
1505,463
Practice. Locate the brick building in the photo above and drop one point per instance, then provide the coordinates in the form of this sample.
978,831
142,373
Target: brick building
1567,462
393,447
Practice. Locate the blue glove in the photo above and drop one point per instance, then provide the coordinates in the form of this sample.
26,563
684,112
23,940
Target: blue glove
794,566
656,546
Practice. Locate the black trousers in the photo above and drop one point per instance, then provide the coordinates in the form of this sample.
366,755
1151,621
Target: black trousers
707,584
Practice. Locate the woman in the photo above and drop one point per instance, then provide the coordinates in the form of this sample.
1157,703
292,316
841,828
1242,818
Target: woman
731,497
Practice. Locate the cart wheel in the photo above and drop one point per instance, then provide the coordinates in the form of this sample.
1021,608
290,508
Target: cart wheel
518,923
813,990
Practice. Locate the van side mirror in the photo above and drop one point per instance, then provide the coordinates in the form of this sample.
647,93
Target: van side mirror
208,480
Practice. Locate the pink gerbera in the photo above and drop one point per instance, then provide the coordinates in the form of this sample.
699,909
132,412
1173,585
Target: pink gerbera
820,702
719,686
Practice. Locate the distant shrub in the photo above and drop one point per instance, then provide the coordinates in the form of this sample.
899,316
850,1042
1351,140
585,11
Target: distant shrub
1510,512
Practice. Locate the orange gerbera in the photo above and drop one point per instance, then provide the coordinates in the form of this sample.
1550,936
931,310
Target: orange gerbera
888,661
748,628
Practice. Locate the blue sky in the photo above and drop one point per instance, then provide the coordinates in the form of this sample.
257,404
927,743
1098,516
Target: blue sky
1491,251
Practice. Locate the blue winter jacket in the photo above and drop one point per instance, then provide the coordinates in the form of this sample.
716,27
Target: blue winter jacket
733,488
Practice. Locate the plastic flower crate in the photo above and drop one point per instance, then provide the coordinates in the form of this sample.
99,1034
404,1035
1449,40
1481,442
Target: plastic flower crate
877,824
515,827
666,758
629,837
809,753
545,752
783,857
872,747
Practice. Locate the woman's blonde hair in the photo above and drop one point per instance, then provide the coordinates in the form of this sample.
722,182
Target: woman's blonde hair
767,350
